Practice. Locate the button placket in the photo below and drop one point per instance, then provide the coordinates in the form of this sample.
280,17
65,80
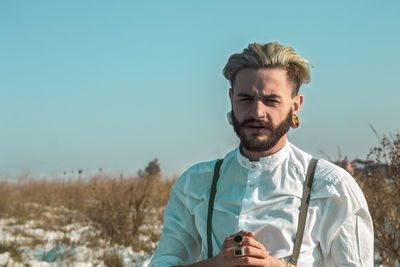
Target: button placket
246,196
254,176
251,185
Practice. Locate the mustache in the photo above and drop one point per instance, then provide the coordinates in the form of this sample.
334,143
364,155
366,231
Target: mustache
258,123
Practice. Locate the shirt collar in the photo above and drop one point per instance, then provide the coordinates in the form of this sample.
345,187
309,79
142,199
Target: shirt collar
267,163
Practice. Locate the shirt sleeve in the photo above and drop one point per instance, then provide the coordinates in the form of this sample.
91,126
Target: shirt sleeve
353,244
345,228
180,243
351,234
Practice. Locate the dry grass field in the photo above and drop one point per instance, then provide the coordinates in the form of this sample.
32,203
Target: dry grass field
107,220
107,217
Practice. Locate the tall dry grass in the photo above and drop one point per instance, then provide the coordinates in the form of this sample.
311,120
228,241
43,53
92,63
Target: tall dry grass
127,211
380,182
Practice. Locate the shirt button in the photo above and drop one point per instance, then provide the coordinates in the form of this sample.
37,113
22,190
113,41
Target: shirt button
253,166
244,162
251,185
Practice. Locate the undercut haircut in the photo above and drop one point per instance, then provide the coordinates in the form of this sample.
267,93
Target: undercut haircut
271,55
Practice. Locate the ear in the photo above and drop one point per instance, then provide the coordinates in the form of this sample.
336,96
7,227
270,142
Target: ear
297,102
231,94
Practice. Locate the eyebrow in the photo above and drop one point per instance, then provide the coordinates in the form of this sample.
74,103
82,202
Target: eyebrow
271,96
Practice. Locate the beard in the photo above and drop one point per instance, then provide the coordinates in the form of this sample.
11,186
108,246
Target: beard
260,141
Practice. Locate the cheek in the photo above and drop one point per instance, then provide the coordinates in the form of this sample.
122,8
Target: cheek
274,117
277,116
240,111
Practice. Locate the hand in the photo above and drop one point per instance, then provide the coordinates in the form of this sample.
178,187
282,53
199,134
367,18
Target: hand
255,253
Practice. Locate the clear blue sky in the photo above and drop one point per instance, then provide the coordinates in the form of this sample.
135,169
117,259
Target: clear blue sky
114,84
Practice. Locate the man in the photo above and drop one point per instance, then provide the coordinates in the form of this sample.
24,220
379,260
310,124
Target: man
260,186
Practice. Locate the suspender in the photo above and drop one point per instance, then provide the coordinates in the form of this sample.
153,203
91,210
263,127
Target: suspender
303,211
305,200
211,206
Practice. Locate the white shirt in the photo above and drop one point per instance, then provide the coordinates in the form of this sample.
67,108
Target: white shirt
265,197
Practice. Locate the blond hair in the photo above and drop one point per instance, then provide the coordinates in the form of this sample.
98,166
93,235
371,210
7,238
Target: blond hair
270,55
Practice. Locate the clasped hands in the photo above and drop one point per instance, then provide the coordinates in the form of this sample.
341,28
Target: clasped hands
245,252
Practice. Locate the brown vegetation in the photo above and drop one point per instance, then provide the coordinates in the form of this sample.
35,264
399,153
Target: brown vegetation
127,211
380,182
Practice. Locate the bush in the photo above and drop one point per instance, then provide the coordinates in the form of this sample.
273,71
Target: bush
380,182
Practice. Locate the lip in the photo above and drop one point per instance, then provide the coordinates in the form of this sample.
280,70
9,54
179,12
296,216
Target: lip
256,129
261,124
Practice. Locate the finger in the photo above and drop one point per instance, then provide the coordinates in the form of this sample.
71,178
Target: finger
251,234
229,241
246,233
248,252
255,252
249,261
242,232
246,241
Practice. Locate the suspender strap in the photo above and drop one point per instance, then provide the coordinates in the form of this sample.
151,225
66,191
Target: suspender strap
211,207
305,200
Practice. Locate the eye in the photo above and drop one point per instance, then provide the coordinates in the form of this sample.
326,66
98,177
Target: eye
271,101
244,99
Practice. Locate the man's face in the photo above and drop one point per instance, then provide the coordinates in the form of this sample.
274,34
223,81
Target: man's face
262,107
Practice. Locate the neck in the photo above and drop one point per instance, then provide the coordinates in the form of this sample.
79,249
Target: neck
256,155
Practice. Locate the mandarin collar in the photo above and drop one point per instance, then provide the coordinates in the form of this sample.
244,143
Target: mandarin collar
267,163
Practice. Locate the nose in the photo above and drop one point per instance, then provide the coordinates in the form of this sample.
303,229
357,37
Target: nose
258,109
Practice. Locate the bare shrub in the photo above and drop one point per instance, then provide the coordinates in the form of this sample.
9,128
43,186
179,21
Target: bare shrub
15,254
113,259
380,182
121,206
5,197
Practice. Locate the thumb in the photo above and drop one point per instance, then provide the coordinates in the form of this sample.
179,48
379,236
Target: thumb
247,233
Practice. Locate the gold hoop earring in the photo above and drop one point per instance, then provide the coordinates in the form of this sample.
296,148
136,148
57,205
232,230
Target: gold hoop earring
295,121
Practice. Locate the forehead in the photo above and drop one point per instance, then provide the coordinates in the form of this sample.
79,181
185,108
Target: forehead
262,81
